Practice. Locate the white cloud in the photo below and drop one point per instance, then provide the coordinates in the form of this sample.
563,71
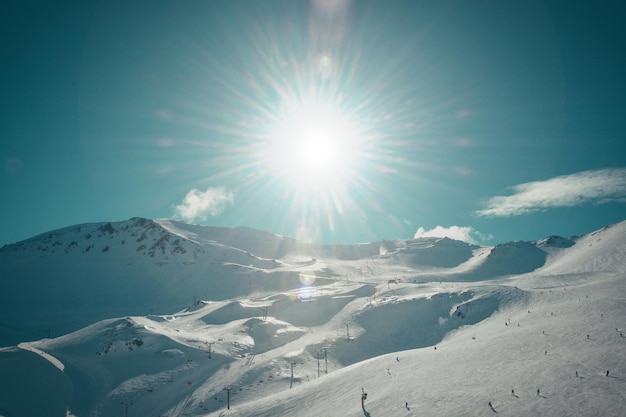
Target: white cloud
464,233
598,186
197,204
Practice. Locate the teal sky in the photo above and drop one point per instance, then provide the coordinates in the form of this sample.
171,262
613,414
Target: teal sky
329,120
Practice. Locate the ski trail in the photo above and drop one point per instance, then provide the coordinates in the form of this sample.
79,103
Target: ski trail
180,407
54,361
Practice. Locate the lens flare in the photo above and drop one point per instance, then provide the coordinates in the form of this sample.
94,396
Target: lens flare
307,277
306,293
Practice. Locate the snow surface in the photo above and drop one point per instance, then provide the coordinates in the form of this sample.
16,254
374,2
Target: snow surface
163,318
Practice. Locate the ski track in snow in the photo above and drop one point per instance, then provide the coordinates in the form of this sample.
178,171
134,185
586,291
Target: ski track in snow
54,361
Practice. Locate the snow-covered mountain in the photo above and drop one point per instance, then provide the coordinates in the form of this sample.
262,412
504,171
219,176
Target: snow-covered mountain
160,317
89,272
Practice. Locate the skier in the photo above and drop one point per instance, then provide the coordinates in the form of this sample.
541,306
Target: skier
406,405
576,374
607,372
537,391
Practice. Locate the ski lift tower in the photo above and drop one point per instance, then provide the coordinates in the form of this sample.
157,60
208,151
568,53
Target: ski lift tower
291,379
228,388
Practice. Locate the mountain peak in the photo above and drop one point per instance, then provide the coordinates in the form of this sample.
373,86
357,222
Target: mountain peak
142,236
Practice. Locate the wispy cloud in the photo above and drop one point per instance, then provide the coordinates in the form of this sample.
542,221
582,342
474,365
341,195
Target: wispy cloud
197,204
597,186
465,233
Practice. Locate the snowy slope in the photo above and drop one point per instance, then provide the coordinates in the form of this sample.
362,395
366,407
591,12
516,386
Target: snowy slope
439,324
81,274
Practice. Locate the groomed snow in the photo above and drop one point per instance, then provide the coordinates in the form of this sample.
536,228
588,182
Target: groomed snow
529,327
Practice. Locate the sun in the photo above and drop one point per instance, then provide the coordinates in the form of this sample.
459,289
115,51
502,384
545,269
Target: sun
313,147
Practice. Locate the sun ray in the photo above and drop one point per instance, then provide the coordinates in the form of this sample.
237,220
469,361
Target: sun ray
304,127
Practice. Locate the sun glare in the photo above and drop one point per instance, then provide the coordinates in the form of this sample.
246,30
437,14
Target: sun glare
312,123
313,146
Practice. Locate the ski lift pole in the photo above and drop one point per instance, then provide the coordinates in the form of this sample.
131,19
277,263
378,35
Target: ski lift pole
209,344
126,404
318,363
227,389
326,360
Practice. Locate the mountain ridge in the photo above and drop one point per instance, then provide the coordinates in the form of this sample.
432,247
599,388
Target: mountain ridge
168,263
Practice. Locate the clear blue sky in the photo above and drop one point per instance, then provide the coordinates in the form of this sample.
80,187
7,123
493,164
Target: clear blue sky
329,120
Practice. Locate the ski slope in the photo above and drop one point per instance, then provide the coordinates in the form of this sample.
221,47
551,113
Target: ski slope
428,327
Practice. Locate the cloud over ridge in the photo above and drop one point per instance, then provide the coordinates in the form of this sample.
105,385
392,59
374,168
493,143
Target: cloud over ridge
197,205
464,233
593,186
